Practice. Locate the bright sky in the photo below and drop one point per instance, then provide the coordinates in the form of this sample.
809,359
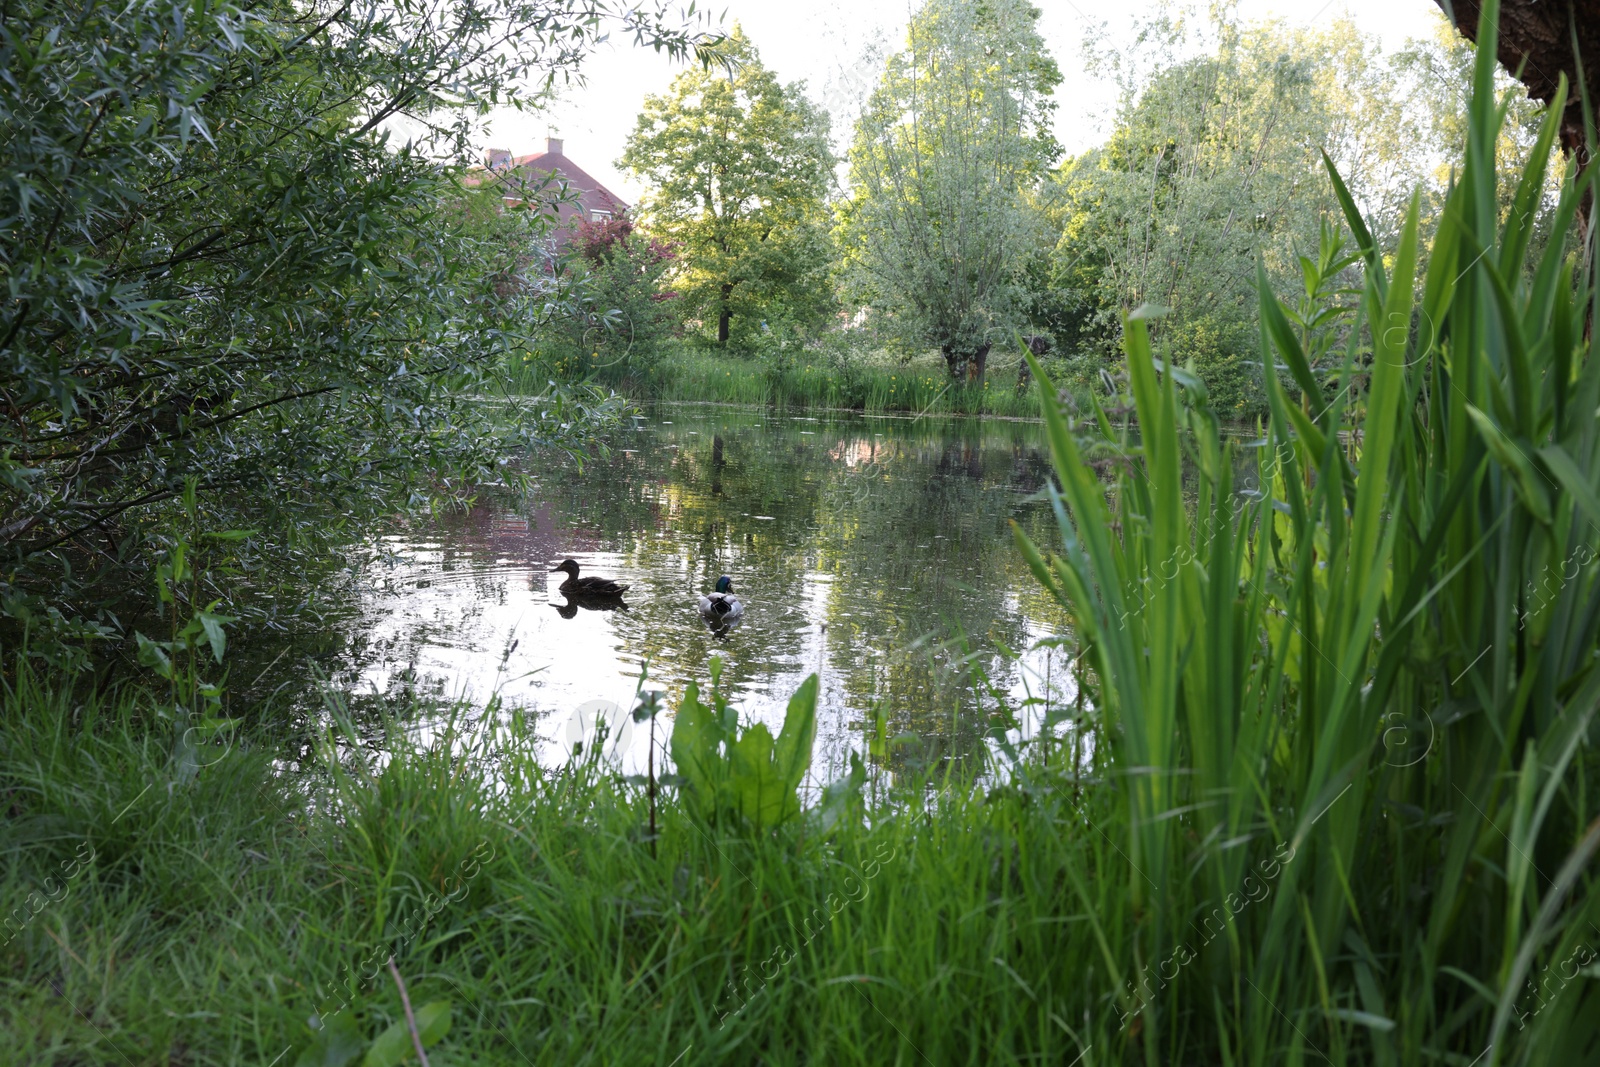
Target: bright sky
821,42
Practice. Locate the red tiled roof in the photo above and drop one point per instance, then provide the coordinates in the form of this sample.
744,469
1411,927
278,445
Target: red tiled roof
591,194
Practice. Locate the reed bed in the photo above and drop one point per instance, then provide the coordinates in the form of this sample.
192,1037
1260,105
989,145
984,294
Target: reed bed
1349,711
851,384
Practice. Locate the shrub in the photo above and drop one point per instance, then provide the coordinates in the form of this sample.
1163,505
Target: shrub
1222,352
621,322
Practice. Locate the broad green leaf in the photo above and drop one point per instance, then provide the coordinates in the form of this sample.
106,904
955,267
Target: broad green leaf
214,633
154,655
760,793
335,1044
799,732
695,744
395,1045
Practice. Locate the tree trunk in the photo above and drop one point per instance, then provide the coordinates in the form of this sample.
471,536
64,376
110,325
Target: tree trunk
1536,43
964,365
1038,344
725,316
978,364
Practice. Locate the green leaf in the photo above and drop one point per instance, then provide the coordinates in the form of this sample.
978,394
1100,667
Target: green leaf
1362,1018
212,624
1186,378
1512,457
1283,338
393,1045
433,1022
1390,335
841,799
1358,226
695,741
1519,224
798,734
744,773
152,654
1562,465
760,793
335,1044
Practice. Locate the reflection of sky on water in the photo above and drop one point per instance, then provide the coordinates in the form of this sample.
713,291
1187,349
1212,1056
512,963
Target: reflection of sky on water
848,539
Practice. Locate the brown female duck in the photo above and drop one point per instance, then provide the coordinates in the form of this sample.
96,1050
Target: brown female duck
590,588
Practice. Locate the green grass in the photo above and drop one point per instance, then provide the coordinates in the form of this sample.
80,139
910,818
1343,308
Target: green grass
858,383
921,386
218,914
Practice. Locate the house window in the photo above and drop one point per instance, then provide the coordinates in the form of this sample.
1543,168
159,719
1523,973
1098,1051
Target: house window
599,216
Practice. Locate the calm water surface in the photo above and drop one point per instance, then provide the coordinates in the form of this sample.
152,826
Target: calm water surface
863,548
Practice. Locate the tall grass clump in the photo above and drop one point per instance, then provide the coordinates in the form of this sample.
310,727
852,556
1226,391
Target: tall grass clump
157,917
825,383
1350,711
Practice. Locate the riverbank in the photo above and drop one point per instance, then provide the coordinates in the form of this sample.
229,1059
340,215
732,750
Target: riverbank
875,385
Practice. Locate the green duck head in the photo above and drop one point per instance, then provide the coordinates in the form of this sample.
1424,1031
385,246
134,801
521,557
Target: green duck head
724,584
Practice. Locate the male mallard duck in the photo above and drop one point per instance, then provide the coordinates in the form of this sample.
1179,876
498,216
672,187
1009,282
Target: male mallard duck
575,588
722,605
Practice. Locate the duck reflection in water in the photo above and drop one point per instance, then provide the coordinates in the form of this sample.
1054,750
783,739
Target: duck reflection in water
589,603
723,627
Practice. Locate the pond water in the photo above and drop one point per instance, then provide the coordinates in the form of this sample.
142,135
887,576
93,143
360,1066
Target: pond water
863,548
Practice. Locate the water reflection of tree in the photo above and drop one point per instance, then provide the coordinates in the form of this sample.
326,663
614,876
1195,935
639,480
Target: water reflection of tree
869,520
934,533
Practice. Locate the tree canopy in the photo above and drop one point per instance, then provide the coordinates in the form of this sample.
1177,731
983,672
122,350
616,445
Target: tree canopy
937,229
740,169
1215,165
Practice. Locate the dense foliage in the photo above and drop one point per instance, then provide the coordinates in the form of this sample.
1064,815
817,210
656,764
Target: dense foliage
1349,705
616,319
218,265
1213,165
740,171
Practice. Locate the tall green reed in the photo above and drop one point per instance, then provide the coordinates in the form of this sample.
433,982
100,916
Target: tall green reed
852,383
1416,564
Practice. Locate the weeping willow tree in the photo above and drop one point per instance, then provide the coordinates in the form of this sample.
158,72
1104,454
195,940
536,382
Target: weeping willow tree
959,128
